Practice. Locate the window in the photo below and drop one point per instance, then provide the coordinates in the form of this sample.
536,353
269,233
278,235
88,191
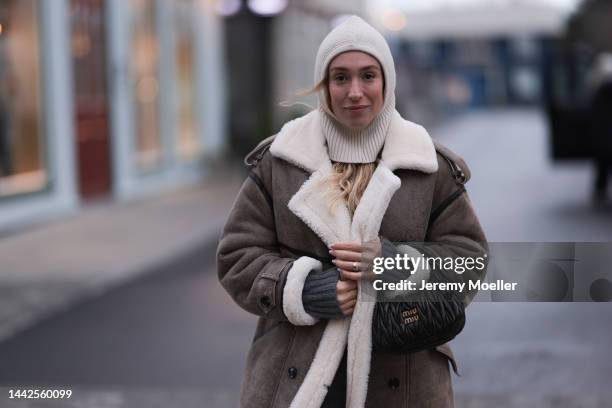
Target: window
22,158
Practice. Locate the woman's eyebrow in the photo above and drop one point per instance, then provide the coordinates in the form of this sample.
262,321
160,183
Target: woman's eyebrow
369,67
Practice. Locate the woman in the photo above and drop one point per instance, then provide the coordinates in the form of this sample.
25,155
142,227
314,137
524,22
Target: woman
331,191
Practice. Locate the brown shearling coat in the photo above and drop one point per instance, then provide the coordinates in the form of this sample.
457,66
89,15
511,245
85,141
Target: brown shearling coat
279,229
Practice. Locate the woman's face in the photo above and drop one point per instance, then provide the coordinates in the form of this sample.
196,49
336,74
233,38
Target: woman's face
355,88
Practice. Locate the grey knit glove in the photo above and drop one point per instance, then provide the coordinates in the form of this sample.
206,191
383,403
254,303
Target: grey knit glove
319,294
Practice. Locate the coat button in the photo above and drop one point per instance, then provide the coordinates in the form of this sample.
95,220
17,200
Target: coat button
393,383
292,372
265,301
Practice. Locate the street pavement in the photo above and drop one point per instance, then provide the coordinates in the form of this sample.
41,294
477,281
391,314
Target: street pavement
519,193
168,339
48,268
174,338
530,354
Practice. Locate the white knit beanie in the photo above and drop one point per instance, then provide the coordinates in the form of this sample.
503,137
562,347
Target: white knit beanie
344,144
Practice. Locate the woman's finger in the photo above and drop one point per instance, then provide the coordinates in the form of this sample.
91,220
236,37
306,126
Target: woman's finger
347,245
348,312
352,266
357,276
346,294
345,255
349,305
353,276
345,286
343,298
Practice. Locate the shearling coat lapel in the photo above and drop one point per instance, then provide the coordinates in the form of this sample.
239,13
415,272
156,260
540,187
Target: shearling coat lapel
301,142
310,204
365,226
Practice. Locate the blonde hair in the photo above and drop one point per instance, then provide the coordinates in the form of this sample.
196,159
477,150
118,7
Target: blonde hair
291,101
348,182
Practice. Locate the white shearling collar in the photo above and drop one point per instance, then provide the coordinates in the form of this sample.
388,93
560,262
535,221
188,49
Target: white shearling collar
407,145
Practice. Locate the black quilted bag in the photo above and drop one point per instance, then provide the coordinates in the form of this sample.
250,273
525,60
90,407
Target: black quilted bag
431,319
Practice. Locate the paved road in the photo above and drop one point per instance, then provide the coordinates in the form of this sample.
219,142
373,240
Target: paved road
175,339
534,354
519,193
171,339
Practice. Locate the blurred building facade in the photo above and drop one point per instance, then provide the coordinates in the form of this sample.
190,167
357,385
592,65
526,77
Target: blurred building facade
453,56
298,32
450,56
271,58
105,99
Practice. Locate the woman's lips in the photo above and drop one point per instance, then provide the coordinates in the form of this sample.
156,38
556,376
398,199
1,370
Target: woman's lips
356,108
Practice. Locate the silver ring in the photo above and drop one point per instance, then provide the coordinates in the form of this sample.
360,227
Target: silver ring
355,267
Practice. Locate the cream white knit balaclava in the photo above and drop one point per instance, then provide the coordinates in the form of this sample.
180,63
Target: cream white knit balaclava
344,144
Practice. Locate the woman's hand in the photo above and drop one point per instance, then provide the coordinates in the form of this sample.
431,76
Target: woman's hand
346,293
355,259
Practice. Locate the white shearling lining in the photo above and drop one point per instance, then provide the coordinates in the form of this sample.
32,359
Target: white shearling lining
301,142
292,293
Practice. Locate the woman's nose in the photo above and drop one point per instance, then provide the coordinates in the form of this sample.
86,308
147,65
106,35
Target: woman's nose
355,91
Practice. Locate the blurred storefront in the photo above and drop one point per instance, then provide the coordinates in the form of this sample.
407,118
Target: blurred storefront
22,154
105,99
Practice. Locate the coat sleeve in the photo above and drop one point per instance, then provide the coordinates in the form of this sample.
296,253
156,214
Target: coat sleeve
454,231
249,264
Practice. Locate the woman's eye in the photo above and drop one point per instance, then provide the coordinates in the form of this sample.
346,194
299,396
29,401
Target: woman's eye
340,78
369,76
